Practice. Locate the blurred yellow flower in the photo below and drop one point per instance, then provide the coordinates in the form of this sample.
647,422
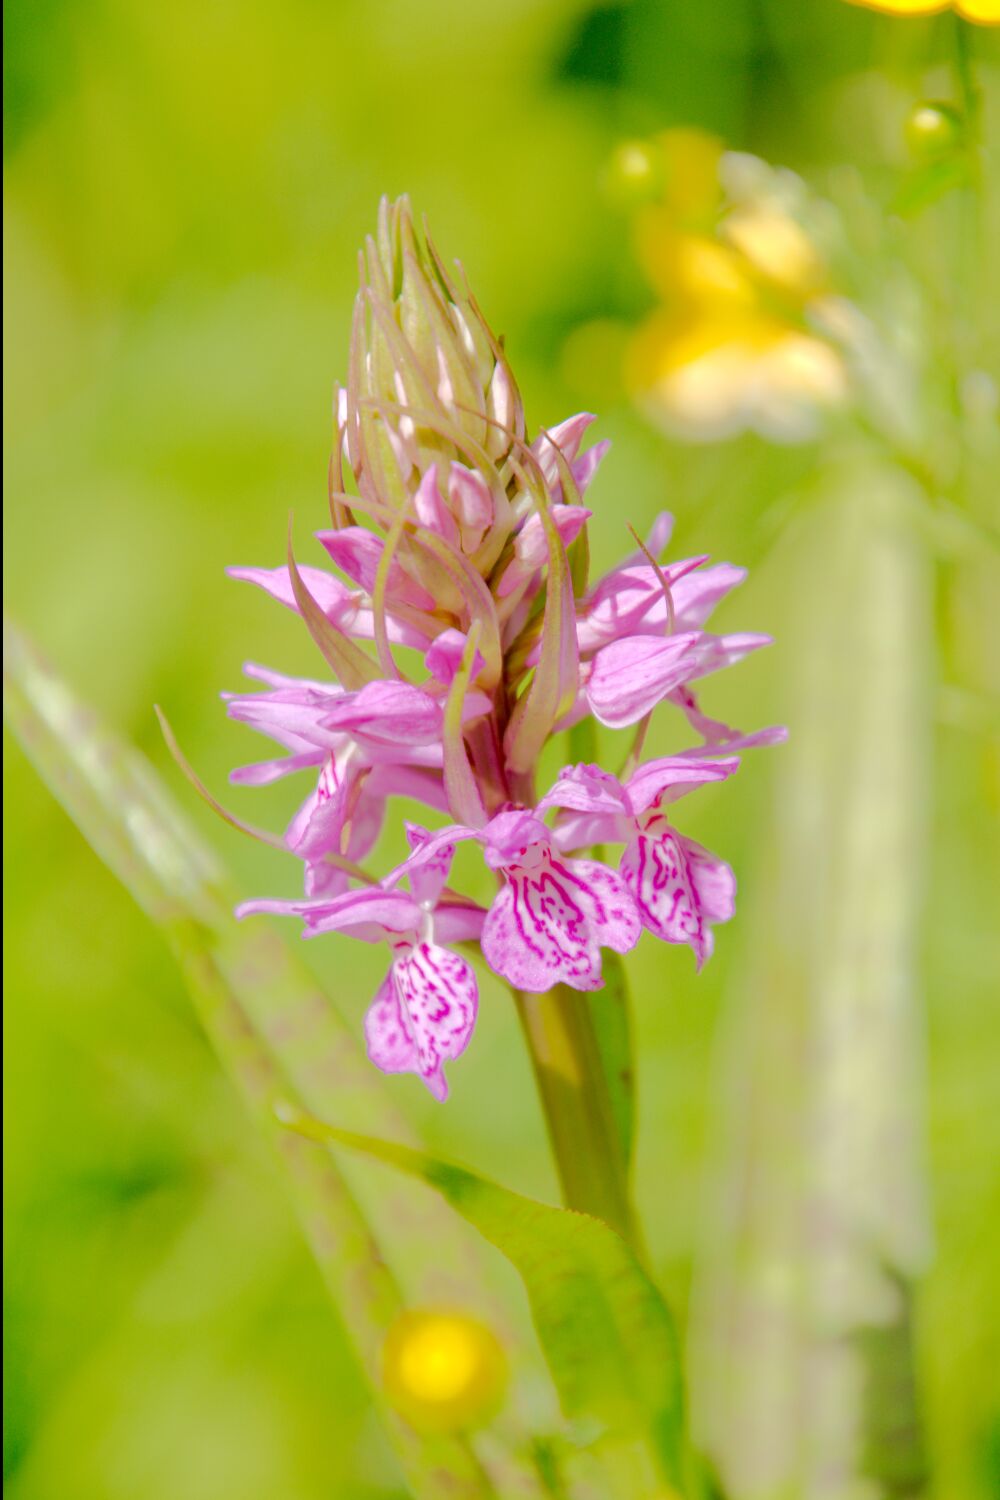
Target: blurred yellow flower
738,277
984,12
443,1371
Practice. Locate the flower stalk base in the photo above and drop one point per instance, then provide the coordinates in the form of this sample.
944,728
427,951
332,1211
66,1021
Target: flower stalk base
572,1085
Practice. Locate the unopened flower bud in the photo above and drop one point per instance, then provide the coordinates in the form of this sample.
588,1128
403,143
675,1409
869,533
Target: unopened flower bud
428,380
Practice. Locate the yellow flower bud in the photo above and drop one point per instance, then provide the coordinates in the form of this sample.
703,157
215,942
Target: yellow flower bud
443,1371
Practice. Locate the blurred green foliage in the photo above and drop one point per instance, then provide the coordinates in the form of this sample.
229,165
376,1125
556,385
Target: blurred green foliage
186,187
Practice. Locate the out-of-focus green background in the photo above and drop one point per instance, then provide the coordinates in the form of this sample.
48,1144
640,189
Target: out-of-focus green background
186,188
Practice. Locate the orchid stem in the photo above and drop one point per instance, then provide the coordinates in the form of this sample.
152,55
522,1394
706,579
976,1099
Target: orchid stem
572,1085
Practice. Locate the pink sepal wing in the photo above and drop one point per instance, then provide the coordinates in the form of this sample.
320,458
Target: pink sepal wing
339,603
358,552
673,776
630,676
263,772
621,602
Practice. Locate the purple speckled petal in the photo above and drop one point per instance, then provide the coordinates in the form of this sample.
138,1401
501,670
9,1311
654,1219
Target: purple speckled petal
388,1033
423,1015
614,920
678,887
547,924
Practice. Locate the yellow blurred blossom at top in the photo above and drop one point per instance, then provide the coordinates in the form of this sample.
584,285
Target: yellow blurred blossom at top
443,1370
733,344
983,12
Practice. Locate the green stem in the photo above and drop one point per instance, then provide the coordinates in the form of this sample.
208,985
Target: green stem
971,94
572,1080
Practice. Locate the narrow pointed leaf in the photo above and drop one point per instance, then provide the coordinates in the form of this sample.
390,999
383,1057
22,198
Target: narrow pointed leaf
553,686
460,784
343,656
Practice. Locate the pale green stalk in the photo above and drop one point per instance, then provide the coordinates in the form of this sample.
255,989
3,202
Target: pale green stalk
580,1061
803,1372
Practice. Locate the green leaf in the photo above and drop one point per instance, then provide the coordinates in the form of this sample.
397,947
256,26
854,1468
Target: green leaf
604,1327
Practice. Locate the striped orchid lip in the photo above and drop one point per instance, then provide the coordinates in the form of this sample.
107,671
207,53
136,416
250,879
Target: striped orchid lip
460,634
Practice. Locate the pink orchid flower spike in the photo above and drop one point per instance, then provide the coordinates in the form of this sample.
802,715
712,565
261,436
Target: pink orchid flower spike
462,634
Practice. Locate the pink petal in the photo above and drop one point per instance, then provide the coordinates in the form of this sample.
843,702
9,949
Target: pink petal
335,599
263,772
371,914
392,712
585,467
586,788
673,776
358,552
531,548
428,866
444,657
471,504
332,596
630,676
678,887
431,510
575,830
567,437
547,925
623,602
423,1015
509,836
458,921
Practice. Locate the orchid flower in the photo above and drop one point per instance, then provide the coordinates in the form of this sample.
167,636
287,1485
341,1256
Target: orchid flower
425,1008
678,888
461,636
